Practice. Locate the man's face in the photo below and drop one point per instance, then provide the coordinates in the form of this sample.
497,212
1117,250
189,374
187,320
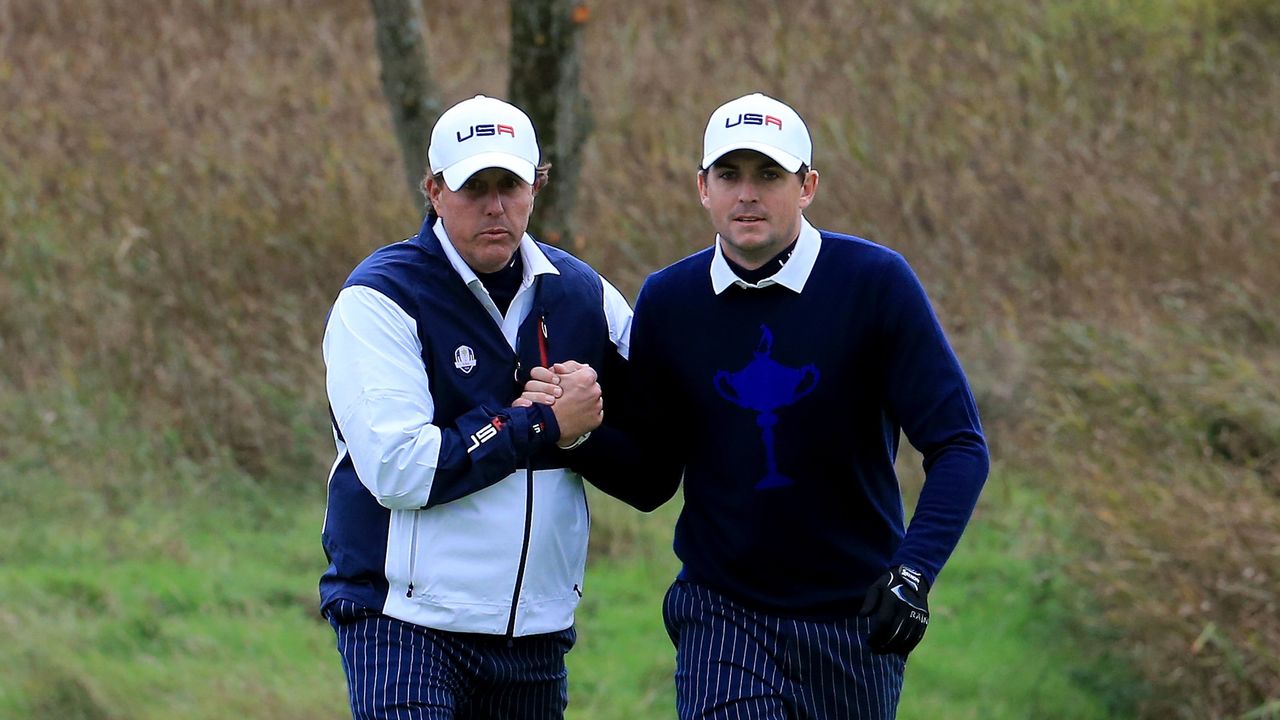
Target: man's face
754,204
486,217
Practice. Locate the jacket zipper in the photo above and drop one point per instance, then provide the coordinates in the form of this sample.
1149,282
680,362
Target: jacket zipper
528,490
524,552
585,506
413,553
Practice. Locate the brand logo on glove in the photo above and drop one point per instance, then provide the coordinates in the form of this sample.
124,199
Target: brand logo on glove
911,577
897,591
487,130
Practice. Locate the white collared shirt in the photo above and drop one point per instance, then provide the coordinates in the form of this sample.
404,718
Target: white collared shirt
534,263
793,274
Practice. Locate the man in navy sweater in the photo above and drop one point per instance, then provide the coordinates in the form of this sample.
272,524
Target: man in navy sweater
773,372
456,533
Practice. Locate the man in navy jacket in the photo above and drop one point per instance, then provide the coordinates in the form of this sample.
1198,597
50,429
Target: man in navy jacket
455,532
774,372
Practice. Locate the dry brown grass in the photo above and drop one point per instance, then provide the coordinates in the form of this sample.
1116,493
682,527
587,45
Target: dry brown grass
1164,444
1090,190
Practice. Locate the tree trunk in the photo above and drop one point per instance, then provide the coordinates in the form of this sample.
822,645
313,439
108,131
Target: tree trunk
406,82
546,50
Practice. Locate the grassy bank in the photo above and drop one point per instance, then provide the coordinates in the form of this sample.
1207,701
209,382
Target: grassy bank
204,604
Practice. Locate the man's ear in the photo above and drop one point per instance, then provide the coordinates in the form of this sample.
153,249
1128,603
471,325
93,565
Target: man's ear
433,190
702,189
808,189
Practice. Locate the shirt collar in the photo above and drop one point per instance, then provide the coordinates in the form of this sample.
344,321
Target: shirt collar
793,275
535,261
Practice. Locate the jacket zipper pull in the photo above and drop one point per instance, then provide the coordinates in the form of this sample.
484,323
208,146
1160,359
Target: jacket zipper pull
543,338
409,593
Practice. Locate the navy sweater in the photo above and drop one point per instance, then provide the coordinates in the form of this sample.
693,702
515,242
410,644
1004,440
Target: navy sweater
782,410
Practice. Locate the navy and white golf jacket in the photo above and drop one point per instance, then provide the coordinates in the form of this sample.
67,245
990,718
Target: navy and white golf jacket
432,516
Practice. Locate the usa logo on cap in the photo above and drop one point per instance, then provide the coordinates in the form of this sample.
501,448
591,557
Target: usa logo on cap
482,133
760,123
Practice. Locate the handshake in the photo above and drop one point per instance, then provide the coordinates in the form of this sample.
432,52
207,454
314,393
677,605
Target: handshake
572,392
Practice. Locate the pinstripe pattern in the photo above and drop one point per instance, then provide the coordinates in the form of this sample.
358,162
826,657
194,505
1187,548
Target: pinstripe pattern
733,662
400,671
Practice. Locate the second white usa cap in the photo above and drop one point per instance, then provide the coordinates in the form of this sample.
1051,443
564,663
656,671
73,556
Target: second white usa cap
761,123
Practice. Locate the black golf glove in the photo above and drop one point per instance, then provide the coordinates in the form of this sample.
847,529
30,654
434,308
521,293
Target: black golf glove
899,609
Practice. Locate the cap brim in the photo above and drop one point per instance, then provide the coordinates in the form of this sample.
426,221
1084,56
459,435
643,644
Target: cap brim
789,162
456,174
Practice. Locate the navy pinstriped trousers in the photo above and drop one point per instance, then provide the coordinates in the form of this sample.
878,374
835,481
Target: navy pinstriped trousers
401,671
732,662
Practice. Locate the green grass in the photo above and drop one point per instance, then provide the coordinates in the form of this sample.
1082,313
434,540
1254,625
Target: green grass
204,609
1003,642
622,665
203,604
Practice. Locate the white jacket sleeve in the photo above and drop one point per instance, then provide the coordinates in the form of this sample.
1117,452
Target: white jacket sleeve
380,398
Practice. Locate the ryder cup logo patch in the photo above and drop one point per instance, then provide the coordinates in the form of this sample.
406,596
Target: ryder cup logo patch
464,358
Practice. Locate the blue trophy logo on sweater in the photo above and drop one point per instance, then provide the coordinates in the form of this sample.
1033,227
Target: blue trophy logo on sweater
765,386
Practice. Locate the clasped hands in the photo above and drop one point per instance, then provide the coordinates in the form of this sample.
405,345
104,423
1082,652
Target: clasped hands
573,394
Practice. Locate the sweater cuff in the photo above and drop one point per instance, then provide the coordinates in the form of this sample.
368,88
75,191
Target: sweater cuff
581,439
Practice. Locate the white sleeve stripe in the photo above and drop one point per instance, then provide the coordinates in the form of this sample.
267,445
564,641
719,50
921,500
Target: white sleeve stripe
379,392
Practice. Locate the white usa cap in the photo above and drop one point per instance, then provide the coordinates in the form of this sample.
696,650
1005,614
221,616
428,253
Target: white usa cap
480,133
758,122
